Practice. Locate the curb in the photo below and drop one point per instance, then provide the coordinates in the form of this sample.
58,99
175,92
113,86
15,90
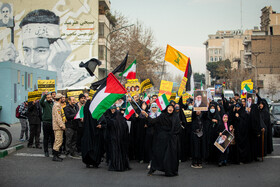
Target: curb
10,150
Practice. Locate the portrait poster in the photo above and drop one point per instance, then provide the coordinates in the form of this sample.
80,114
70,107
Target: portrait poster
250,99
133,86
218,90
223,141
200,100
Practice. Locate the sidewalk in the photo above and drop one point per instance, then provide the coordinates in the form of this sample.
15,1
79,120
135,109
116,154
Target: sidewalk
16,144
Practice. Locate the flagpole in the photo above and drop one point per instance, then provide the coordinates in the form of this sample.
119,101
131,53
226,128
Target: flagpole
135,102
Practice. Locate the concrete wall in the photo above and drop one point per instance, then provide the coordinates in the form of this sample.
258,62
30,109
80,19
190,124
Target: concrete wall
16,81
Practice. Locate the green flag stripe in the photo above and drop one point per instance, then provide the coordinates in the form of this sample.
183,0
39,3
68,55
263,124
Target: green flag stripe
105,105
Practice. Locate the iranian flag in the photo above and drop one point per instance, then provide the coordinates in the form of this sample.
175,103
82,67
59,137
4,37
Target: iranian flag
130,72
108,93
245,90
128,111
80,114
162,102
146,99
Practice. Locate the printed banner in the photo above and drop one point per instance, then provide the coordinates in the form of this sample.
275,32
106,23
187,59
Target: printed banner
146,84
185,97
182,86
74,94
133,86
223,141
48,85
91,93
246,89
165,87
33,96
173,96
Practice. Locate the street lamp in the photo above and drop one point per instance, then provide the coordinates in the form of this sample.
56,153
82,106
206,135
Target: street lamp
107,41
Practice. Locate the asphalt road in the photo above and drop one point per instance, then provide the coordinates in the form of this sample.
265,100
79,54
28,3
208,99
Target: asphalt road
28,167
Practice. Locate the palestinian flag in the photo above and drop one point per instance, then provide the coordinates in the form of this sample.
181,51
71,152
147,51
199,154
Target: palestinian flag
162,102
130,72
128,111
80,114
146,99
245,90
106,95
188,75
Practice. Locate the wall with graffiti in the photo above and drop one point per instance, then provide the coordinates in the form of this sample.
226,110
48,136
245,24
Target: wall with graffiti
54,35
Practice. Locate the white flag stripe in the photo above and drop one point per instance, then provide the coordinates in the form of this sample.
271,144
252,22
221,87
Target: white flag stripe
97,99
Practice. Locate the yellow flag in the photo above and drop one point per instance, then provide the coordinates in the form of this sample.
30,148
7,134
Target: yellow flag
178,59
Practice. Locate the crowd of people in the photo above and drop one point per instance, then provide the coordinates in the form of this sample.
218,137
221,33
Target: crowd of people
162,139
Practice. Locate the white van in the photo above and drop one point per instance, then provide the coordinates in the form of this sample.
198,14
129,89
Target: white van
228,94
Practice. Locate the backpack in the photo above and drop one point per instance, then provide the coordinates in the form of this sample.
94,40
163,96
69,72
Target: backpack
17,112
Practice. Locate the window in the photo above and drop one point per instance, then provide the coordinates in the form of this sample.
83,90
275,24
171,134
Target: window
18,76
15,93
216,51
216,59
219,51
31,80
25,80
101,52
28,80
22,80
210,51
220,58
211,59
101,30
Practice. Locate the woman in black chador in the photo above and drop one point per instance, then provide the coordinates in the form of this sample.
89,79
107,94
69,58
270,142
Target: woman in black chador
92,141
165,156
118,142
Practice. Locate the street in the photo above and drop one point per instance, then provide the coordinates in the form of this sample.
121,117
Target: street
29,167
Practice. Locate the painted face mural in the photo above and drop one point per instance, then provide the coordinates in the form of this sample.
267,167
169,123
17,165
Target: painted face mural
55,35
36,52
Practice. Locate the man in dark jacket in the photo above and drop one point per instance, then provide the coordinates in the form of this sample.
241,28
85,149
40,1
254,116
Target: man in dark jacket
23,120
46,103
71,111
34,118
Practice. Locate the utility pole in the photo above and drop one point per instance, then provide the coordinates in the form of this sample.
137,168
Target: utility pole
256,54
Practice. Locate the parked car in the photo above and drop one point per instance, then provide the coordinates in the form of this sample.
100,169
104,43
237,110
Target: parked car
275,118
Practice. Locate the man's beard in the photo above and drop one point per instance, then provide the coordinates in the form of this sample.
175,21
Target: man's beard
5,19
197,103
249,104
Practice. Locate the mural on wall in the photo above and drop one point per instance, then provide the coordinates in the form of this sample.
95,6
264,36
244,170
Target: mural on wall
56,39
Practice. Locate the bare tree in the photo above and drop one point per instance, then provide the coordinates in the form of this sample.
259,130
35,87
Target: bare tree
140,43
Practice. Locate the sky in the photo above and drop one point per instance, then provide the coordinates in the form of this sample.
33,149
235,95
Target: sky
186,24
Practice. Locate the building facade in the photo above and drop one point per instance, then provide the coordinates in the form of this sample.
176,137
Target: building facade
74,30
16,81
224,45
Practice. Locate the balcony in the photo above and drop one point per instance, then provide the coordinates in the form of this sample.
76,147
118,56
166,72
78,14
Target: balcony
105,3
104,19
